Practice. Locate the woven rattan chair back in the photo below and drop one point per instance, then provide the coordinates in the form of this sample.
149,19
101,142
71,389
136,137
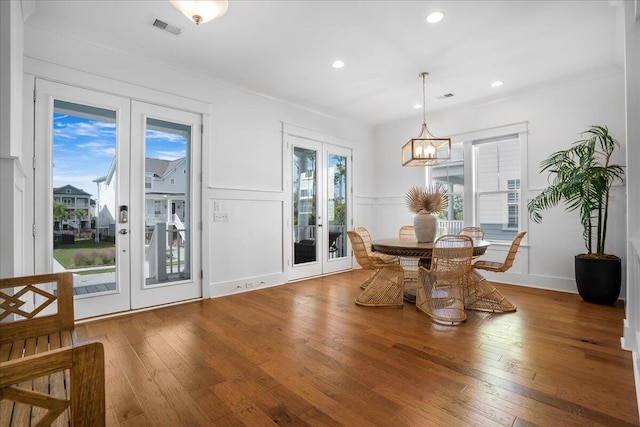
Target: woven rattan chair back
385,287
360,250
476,233
407,232
440,291
452,255
508,262
409,264
366,237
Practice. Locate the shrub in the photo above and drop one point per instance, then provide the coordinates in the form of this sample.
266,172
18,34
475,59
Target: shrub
108,256
81,258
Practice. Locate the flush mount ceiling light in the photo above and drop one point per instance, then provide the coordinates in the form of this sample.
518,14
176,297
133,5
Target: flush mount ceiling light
434,17
426,149
338,64
496,83
201,11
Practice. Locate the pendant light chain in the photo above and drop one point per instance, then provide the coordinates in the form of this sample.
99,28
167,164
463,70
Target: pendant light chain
424,100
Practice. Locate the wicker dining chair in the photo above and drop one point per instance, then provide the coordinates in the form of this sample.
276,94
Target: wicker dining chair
385,287
409,264
480,294
501,267
366,238
476,233
440,288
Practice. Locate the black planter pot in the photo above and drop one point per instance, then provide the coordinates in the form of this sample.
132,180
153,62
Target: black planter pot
598,280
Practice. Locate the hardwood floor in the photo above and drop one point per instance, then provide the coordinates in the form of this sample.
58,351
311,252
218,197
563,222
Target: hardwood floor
305,354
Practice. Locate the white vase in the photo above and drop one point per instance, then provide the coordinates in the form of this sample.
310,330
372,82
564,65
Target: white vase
425,226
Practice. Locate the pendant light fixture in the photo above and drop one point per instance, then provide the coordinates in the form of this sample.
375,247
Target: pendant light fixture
426,149
201,11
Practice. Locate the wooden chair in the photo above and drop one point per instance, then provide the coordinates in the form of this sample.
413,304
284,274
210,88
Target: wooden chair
366,238
45,374
409,264
480,294
476,233
385,287
440,288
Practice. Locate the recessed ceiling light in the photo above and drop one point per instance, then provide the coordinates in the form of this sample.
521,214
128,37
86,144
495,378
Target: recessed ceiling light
434,17
496,83
417,106
337,64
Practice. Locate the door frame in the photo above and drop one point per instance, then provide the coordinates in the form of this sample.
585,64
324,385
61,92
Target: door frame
48,91
143,296
305,138
45,91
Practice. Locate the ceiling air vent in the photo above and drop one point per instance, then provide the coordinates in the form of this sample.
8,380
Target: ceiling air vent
446,95
167,27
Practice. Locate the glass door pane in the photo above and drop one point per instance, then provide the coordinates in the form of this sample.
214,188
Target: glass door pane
304,205
84,146
337,206
167,173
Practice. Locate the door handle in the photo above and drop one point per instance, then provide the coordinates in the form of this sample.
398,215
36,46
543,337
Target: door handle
123,231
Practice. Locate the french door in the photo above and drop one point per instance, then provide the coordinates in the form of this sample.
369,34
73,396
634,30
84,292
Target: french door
116,199
320,187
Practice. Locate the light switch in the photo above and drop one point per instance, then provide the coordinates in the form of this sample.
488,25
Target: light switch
217,206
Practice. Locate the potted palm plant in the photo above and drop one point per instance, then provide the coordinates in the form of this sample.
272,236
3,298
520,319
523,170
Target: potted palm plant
581,177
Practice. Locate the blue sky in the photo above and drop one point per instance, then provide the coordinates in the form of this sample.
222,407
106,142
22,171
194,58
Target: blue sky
83,150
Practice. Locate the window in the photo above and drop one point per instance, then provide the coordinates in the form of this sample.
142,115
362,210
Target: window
147,182
513,203
157,207
484,178
451,175
172,181
497,183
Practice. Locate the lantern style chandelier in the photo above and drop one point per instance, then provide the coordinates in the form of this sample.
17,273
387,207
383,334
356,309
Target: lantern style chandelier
201,11
426,149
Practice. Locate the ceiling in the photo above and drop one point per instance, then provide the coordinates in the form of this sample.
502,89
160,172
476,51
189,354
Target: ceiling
284,49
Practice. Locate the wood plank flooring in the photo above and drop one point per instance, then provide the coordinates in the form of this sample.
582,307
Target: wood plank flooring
303,354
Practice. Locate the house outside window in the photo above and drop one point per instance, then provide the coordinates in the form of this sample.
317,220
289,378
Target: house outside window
497,186
513,203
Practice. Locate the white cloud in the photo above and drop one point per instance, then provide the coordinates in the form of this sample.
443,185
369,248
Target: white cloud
167,155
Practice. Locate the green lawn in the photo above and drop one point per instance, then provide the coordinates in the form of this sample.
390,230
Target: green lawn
64,253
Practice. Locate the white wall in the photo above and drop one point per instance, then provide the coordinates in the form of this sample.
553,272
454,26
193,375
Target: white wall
555,117
11,165
631,340
242,147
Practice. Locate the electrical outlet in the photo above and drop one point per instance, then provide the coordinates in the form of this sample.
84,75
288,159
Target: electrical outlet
221,217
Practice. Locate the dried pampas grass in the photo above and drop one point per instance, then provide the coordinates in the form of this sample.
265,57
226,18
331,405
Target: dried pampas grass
430,199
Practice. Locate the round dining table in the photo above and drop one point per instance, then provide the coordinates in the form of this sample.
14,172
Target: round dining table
414,249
